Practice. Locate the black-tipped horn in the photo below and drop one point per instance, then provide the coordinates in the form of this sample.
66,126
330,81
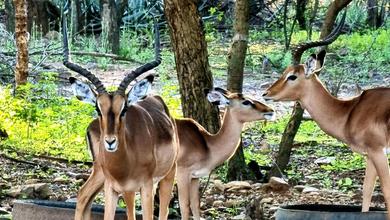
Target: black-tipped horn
298,50
146,67
82,71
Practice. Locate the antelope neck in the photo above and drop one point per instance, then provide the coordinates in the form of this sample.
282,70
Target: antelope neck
223,144
330,113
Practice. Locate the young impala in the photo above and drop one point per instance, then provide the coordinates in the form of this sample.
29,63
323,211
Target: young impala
362,122
136,143
201,152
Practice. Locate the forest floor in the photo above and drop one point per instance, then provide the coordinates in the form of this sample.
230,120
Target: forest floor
45,178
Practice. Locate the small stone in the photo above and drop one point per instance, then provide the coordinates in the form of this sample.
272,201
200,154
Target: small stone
230,203
324,160
218,203
278,184
309,189
266,200
237,185
60,180
239,217
74,199
32,181
209,200
299,188
218,186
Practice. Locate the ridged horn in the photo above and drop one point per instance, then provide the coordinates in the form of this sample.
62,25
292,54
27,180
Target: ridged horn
298,50
75,67
146,67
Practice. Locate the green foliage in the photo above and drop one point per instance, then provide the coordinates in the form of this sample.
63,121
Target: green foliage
346,163
41,122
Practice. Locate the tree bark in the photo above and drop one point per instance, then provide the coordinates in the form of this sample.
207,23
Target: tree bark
75,17
38,16
372,13
333,10
300,9
10,15
110,27
237,168
286,143
192,65
293,124
21,71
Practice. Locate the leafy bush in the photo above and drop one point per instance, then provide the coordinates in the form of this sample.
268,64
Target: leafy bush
42,122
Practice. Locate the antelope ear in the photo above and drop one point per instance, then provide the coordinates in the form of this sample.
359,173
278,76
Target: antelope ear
140,90
83,91
314,63
310,65
217,97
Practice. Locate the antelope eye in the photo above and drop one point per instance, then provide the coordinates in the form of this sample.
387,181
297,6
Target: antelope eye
246,102
292,77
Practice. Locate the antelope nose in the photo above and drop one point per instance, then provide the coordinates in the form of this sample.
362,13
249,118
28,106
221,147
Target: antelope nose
110,140
265,93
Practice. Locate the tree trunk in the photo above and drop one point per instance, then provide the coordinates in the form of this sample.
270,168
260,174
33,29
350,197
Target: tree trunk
300,9
75,17
110,27
38,16
286,143
21,71
333,10
10,15
293,124
237,168
372,13
192,65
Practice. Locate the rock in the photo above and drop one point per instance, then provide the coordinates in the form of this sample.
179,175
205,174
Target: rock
74,199
237,185
218,186
218,203
209,200
278,184
32,181
230,203
324,160
299,188
60,180
266,200
239,217
38,190
309,189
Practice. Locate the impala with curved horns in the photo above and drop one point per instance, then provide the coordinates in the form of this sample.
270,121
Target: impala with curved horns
137,142
362,122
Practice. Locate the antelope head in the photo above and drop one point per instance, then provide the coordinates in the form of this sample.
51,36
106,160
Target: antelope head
297,78
242,108
111,106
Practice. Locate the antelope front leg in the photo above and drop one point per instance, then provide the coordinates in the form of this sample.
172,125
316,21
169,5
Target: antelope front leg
88,192
380,161
111,201
165,191
194,198
368,184
129,198
147,200
183,185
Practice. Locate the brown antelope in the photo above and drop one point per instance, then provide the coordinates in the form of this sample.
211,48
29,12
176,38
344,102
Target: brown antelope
135,143
362,122
201,152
